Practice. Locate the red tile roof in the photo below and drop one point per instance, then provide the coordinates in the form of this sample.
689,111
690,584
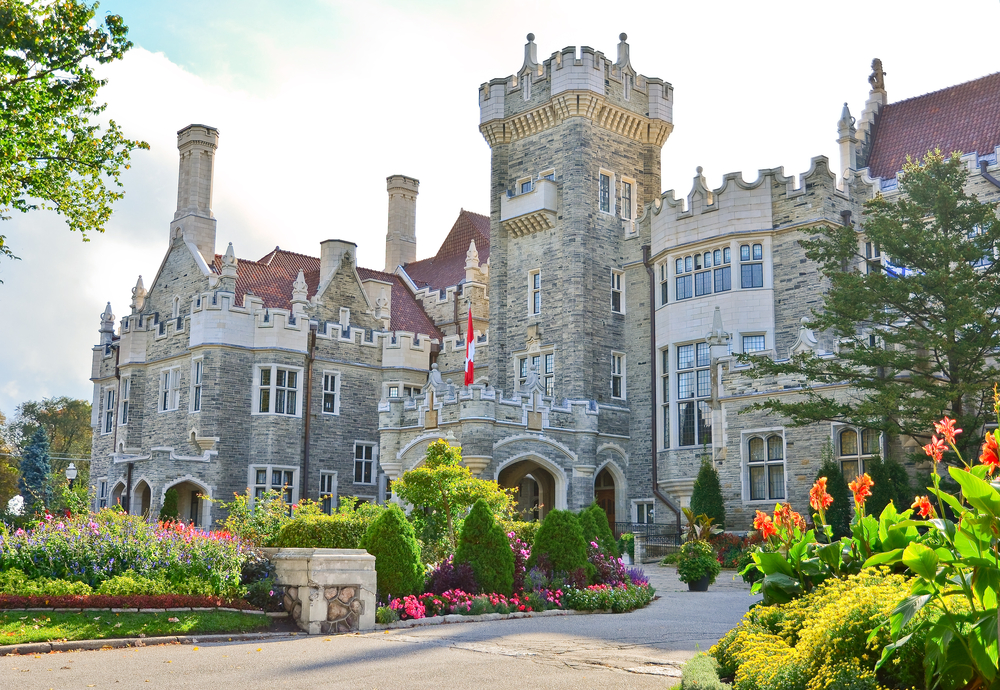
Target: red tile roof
962,118
447,267
406,313
271,278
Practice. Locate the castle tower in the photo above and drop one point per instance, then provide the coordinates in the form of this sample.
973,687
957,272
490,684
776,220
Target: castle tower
401,237
575,145
193,218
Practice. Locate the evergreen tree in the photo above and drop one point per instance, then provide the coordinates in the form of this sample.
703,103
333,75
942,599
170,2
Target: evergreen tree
595,527
917,325
560,542
169,510
706,498
840,512
892,483
35,470
391,540
485,547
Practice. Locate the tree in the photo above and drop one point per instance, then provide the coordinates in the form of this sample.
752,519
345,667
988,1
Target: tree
559,544
918,333
706,497
169,510
391,540
8,470
595,527
838,515
447,489
35,470
892,483
485,547
53,155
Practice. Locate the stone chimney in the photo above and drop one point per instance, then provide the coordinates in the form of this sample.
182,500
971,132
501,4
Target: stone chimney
332,253
193,218
401,238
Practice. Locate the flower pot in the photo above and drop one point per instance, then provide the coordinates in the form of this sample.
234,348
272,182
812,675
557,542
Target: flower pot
700,585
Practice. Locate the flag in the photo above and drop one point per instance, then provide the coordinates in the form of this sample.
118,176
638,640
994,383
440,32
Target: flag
470,352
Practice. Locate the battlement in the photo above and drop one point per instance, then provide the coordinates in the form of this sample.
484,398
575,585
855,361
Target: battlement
572,83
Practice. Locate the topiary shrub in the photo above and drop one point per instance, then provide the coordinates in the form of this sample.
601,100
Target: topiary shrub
322,532
838,515
559,544
486,548
594,523
391,540
706,497
169,512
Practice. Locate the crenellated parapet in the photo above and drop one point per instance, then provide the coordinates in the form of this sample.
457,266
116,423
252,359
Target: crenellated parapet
574,83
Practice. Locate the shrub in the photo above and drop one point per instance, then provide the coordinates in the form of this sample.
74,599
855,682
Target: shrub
321,532
626,544
838,515
607,570
594,524
484,546
13,581
385,615
696,560
625,597
258,525
169,510
391,540
559,542
128,584
706,497
448,575
892,483
525,531
257,576
702,673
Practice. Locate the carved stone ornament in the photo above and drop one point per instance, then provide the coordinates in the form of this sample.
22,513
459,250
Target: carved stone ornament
877,77
806,342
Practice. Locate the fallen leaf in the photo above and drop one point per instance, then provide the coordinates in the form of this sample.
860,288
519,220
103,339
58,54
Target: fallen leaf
173,620
194,649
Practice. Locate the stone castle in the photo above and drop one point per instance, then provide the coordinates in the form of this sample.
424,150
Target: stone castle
606,316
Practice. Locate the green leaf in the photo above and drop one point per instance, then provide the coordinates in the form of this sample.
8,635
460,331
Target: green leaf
922,560
906,610
889,648
983,643
986,585
884,557
977,492
780,589
946,526
955,504
771,563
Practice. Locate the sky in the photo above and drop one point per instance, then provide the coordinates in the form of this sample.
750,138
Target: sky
318,101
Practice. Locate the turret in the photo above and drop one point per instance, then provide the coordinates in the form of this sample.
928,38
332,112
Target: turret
848,142
107,329
401,236
196,145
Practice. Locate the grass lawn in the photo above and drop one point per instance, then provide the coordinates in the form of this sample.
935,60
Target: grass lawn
20,627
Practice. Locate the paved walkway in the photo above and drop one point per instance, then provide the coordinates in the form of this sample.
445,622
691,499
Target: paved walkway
637,650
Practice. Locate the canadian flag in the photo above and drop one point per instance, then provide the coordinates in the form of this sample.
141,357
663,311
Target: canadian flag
470,352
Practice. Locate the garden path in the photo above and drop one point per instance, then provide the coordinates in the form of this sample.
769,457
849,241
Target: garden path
642,649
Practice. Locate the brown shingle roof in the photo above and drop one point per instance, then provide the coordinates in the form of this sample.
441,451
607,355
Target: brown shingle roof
962,118
447,267
271,278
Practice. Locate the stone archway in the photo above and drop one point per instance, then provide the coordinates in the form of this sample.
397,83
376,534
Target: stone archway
193,504
604,495
540,485
116,494
142,497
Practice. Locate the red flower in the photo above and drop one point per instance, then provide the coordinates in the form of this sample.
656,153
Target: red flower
861,487
946,427
763,524
819,499
924,507
991,452
935,448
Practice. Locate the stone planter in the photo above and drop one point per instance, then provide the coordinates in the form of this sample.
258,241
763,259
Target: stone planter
700,585
328,590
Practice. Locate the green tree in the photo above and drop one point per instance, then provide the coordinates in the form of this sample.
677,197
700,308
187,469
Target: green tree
8,470
486,548
892,483
917,335
35,470
67,423
391,540
560,542
706,497
595,527
446,489
838,515
53,152
169,510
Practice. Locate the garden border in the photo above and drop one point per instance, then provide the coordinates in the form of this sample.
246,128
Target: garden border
483,617
121,642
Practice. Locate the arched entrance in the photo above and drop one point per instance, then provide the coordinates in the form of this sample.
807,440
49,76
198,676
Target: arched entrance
192,503
536,487
604,495
116,494
141,497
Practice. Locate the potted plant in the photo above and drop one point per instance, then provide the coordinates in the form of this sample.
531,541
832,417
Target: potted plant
697,565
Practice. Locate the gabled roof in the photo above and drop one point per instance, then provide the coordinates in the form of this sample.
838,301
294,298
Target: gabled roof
447,268
962,118
406,313
270,278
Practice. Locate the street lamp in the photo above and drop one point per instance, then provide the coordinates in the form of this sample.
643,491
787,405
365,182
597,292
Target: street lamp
71,474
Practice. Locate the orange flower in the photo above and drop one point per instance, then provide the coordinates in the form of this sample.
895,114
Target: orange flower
800,522
946,427
991,452
819,499
935,448
861,487
763,524
924,507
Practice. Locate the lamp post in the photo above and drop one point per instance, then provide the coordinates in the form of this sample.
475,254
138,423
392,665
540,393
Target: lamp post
71,474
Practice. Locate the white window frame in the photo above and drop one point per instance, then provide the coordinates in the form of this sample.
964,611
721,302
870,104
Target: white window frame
170,389
108,413
861,458
269,479
273,389
628,213
612,184
547,376
763,434
102,493
664,283
123,402
519,187
549,174
197,383
535,293
373,479
618,372
393,391
743,342
328,477
617,287
696,371
665,383
329,375
636,502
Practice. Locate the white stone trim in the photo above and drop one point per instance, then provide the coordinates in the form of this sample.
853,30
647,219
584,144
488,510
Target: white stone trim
538,439
336,392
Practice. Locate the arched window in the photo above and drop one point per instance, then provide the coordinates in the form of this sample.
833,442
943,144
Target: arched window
766,467
854,447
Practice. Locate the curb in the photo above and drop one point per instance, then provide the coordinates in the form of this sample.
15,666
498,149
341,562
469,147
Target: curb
122,642
459,618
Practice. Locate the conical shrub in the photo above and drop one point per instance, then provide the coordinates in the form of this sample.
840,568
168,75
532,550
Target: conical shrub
559,541
706,497
484,546
391,540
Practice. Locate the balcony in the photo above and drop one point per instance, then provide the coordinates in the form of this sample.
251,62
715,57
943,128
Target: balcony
532,211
